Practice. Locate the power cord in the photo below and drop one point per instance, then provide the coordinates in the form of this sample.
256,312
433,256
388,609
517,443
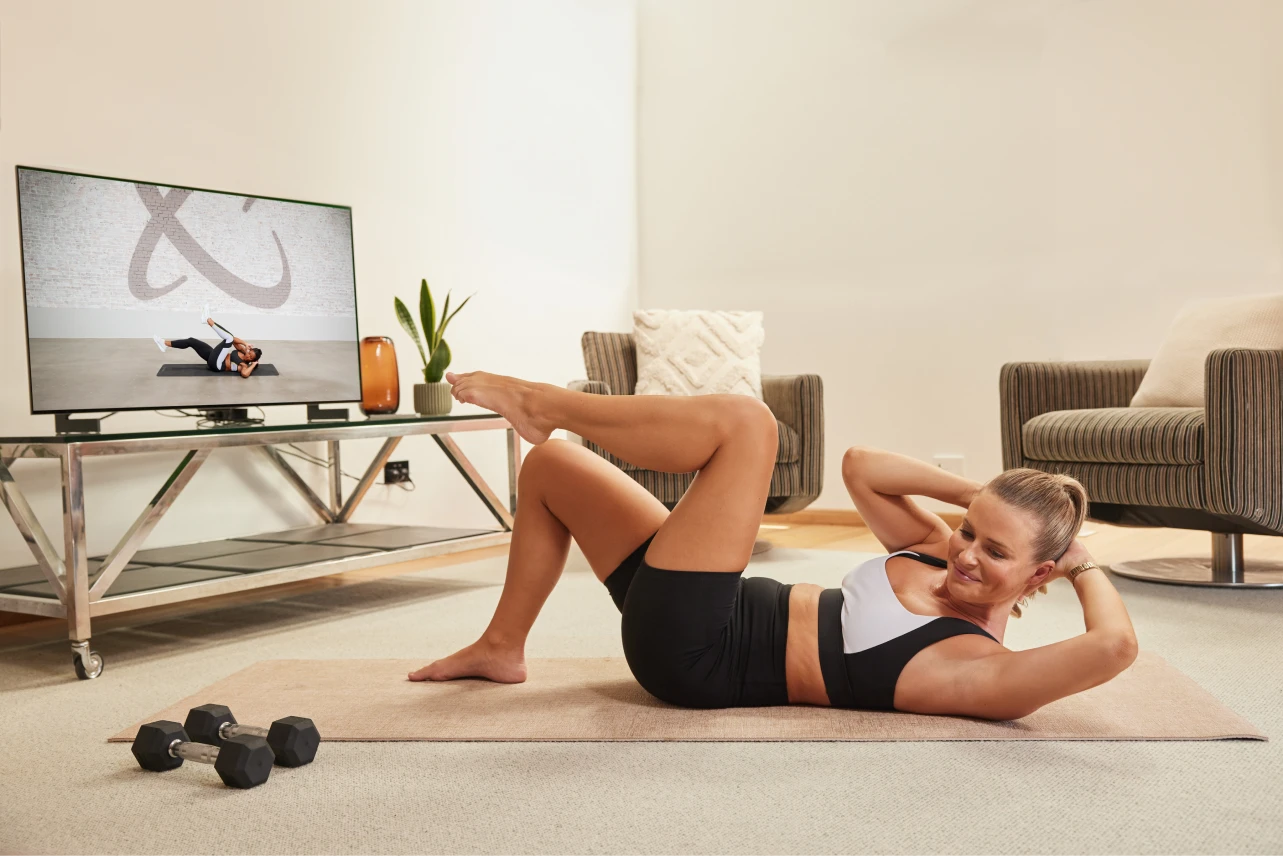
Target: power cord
203,420
309,458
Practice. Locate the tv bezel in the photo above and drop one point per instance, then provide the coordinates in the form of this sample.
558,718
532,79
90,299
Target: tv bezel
26,327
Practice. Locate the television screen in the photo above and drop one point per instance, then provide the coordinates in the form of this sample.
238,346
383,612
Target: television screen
149,296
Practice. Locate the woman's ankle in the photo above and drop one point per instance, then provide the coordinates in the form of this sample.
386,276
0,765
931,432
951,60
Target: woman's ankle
539,401
502,642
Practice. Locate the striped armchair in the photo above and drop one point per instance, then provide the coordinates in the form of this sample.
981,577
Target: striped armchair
796,400
1217,468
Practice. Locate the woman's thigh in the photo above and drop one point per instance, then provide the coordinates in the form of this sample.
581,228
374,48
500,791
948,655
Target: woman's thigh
716,522
607,513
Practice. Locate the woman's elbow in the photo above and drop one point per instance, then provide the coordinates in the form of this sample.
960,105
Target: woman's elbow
1002,710
1115,652
1011,714
1123,650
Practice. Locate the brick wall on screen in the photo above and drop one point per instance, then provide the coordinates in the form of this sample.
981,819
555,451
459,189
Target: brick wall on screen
79,235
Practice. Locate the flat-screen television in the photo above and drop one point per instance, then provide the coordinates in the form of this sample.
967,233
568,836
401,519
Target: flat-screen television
122,280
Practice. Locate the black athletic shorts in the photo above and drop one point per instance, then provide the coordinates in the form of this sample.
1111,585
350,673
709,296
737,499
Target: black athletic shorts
702,638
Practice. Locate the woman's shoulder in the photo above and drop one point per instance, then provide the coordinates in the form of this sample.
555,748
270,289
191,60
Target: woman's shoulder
936,549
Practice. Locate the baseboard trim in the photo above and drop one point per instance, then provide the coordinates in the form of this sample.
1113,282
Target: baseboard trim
841,517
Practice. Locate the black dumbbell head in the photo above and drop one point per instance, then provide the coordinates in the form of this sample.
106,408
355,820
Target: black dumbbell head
294,739
244,761
203,723
151,745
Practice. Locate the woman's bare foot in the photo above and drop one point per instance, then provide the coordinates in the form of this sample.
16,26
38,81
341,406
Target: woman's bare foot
511,398
478,660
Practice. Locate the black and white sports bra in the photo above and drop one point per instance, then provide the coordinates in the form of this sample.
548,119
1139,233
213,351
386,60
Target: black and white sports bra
867,637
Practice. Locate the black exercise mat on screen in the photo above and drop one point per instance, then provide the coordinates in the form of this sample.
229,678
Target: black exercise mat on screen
198,370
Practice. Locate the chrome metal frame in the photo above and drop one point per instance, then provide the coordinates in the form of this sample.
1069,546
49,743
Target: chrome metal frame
75,561
474,480
367,478
514,468
32,532
68,574
160,503
1227,568
296,481
336,477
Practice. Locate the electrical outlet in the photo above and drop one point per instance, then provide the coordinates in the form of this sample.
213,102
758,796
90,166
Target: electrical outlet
950,464
395,472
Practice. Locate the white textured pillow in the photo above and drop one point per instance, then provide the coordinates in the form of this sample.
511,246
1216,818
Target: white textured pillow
1175,376
692,352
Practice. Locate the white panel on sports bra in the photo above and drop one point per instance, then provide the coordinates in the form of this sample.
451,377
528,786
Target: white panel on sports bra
871,613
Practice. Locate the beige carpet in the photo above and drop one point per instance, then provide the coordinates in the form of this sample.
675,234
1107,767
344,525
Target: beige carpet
597,699
65,789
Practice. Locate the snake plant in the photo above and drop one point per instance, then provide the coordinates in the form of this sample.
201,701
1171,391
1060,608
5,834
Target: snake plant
436,356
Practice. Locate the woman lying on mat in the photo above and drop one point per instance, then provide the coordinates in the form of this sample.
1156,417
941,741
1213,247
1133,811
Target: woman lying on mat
919,630
229,355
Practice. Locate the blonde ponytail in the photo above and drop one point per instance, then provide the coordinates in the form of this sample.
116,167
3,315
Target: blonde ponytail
1058,500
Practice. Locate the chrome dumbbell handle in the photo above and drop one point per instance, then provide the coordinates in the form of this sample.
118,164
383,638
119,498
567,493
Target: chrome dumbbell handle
200,752
228,730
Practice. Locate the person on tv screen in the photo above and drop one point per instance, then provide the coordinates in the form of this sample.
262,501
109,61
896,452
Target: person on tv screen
229,355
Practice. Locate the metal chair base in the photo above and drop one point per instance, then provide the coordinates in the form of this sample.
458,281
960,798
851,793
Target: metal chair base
1226,568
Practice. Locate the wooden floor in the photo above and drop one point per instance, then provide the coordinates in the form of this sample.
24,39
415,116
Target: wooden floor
1107,544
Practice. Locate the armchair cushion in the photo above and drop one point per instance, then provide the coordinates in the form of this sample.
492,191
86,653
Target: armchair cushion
1030,389
690,352
1176,374
1117,435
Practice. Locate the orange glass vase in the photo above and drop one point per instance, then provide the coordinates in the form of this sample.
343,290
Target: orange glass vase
380,384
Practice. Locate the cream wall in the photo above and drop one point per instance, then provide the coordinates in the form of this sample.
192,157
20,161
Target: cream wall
489,146
916,193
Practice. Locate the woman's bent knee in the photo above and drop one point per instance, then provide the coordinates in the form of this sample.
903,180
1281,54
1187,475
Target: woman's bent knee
749,419
854,461
549,456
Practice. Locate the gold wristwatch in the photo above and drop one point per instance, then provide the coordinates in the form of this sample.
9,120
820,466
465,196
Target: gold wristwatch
1073,572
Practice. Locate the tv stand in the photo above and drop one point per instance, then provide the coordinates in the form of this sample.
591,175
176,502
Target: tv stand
64,424
68,583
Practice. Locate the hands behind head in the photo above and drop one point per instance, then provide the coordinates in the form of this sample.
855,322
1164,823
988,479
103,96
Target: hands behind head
1072,558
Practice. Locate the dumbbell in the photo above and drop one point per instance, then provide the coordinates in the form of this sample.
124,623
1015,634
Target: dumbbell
294,739
242,762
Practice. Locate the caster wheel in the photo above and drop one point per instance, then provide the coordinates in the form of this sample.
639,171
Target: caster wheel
96,665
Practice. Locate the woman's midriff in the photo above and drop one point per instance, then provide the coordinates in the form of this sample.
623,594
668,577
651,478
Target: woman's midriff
802,652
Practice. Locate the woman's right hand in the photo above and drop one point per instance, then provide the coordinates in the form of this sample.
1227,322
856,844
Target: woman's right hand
1071,558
